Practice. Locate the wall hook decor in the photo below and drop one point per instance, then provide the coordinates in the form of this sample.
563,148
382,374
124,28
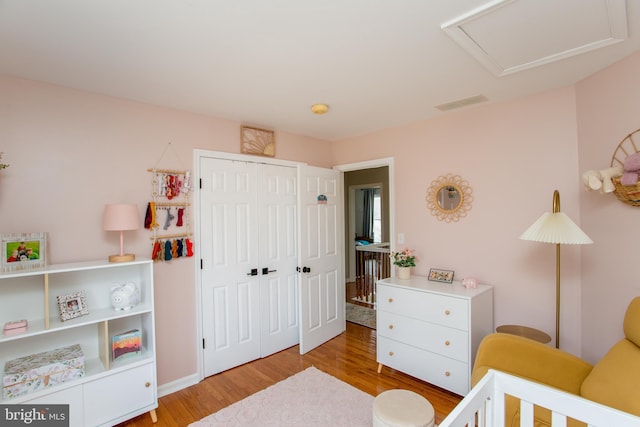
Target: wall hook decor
170,207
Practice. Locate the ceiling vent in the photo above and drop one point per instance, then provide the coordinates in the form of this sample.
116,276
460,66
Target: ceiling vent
508,36
462,103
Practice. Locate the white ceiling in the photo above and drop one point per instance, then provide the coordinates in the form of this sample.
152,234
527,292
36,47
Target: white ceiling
377,63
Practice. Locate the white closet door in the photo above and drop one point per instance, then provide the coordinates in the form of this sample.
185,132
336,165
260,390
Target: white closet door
277,205
229,250
322,287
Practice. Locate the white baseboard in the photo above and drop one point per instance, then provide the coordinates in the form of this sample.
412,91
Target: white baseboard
177,385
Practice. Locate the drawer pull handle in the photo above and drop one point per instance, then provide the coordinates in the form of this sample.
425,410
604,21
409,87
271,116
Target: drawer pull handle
391,353
147,384
447,312
447,343
447,374
390,326
390,299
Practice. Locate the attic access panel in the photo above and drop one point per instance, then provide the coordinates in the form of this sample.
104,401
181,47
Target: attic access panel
508,36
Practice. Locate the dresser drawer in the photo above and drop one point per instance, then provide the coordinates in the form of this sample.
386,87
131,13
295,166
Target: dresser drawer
442,371
440,309
449,342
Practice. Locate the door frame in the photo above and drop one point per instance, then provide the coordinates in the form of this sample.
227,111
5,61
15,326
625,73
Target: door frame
198,154
370,164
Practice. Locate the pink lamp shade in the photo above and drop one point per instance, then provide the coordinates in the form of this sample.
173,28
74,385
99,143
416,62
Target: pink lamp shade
120,217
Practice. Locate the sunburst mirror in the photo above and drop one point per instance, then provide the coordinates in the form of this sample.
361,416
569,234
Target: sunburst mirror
449,198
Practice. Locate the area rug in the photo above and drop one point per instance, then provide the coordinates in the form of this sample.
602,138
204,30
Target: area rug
361,315
308,398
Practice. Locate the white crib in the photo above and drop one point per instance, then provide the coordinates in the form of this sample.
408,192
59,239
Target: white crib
484,405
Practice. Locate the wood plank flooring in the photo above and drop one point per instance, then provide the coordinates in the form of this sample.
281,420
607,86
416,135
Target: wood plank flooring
350,357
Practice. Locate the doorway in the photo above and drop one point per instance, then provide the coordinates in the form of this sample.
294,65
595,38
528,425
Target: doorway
376,178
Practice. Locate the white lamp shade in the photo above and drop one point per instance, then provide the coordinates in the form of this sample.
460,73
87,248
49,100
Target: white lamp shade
119,217
556,228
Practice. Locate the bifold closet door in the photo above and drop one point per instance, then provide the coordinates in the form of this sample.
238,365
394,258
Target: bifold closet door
229,250
278,218
249,257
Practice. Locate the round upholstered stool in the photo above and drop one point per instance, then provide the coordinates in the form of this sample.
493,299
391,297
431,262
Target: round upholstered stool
402,408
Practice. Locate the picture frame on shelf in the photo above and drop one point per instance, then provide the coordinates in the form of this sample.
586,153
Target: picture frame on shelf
72,305
443,276
21,251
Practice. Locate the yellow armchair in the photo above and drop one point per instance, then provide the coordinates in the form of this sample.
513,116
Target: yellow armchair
613,381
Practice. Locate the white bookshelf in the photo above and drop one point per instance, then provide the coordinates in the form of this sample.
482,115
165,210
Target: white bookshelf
110,392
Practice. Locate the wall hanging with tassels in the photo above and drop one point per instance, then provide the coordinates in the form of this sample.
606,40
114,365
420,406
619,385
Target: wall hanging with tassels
168,214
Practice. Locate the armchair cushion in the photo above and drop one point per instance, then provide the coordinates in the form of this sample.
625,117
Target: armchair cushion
615,378
632,322
531,360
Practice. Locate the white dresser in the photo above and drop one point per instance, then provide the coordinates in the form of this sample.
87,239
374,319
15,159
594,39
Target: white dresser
432,330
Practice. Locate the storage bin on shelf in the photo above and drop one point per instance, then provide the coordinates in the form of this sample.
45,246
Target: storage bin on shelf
41,370
629,194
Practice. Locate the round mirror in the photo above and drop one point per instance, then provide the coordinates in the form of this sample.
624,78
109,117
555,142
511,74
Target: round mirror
449,198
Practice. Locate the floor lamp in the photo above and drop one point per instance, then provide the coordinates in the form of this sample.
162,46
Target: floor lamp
559,229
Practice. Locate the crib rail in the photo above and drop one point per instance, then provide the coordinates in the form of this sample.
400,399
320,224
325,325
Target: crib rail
372,264
483,406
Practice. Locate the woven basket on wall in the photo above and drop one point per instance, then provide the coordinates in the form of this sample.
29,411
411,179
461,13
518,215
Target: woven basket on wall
629,194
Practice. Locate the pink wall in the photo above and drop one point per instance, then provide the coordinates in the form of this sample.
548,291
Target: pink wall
513,154
71,152
608,110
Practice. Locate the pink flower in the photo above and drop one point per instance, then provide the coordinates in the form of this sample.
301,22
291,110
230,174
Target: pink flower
404,258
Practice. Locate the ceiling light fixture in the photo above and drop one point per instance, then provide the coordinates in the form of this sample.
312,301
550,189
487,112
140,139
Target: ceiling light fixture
319,108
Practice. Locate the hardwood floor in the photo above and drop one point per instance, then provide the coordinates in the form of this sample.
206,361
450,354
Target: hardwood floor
350,357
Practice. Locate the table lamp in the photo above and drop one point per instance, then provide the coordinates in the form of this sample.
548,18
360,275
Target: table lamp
559,229
120,217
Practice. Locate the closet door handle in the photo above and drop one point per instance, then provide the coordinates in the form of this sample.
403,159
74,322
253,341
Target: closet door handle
254,272
265,270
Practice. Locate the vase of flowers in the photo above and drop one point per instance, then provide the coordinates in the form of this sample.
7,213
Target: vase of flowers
404,260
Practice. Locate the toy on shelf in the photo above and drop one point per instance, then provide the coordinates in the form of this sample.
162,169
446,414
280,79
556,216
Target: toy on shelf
631,169
602,180
125,297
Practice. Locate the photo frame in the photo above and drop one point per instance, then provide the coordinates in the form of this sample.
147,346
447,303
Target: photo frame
437,275
22,251
72,305
257,141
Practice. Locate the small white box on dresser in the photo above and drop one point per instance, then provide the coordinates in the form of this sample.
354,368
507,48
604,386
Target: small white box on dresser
432,330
